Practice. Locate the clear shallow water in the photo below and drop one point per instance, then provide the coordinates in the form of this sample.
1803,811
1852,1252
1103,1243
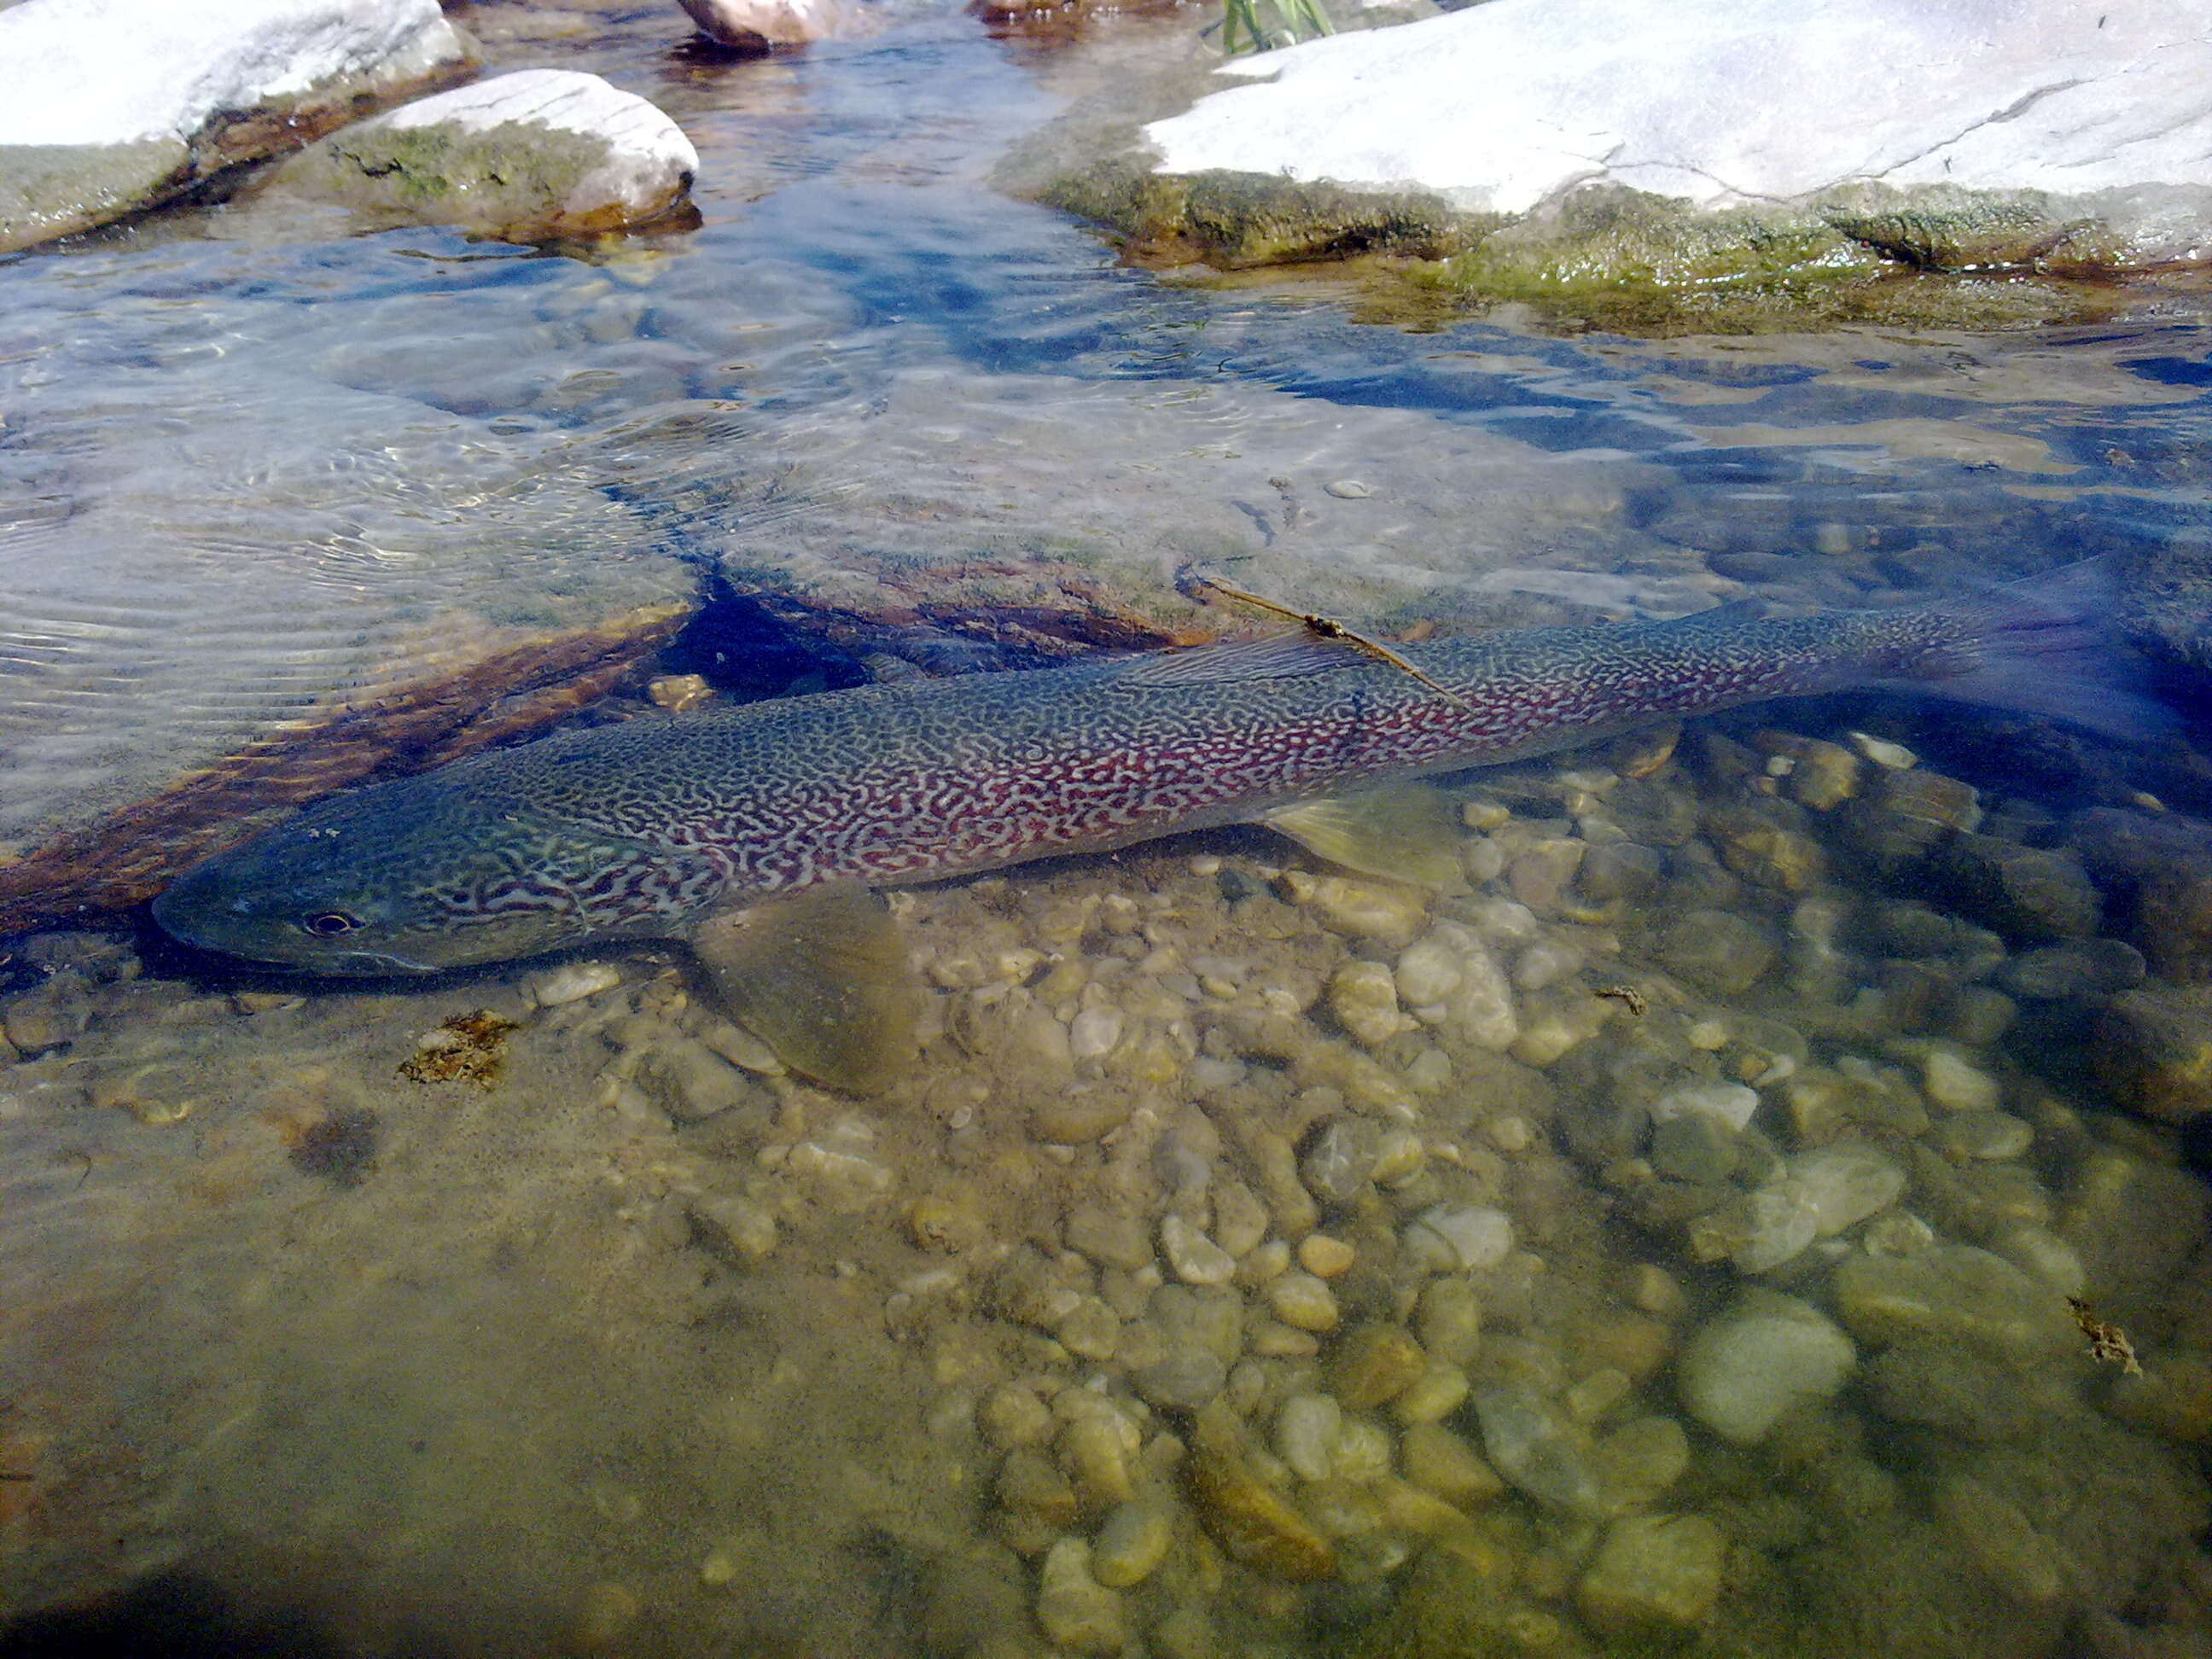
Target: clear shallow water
646,1349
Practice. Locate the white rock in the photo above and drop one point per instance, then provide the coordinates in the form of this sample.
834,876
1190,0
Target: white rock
759,24
1729,1105
648,166
1544,963
1956,1085
1846,1184
1365,1000
117,71
1481,1007
1094,1033
1783,1222
1739,1374
1504,105
1428,971
1460,1236
113,105
1195,1258
572,982
1306,1430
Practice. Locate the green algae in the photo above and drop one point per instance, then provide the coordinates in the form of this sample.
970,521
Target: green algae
1237,221
512,177
53,189
1625,261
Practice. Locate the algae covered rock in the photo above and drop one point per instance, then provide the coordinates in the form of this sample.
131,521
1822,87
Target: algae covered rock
535,153
116,105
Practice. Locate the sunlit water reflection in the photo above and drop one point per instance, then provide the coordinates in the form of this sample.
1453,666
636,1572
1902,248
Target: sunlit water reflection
648,1349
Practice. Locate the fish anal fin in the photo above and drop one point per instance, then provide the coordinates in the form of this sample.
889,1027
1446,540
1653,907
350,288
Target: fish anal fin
1403,832
825,980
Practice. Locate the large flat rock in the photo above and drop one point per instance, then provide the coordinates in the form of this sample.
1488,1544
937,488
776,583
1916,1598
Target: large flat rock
1728,103
226,588
115,105
1542,147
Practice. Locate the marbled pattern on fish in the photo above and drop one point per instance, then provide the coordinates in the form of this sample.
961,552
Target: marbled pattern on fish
644,826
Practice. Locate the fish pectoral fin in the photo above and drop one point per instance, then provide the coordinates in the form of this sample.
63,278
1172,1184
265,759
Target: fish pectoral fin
825,980
1278,657
1404,832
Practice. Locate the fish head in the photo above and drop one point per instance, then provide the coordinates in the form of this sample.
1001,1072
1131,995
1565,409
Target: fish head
427,874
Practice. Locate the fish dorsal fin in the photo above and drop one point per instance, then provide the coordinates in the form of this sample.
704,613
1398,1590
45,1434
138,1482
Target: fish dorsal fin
1403,831
825,980
1278,657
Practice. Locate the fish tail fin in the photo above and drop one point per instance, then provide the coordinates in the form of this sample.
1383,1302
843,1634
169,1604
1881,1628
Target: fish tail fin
2050,646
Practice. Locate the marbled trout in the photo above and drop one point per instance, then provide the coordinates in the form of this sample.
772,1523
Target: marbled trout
646,829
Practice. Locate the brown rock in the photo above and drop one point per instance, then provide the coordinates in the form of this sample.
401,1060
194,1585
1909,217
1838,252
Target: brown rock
1250,1520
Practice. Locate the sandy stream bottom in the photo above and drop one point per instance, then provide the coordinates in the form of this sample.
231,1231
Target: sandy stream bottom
1327,1267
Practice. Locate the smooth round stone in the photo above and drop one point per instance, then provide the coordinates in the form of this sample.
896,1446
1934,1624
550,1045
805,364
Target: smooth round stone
1094,1033
1846,1184
1089,1330
1428,971
1131,1542
1654,1570
1034,1487
1074,1609
1729,1105
1984,1137
1193,1258
1365,1000
1460,1237
1440,1461
1303,1302
1399,1157
734,1227
1644,1456
1436,1394
1326,1257
1182,1381
1545,964
1780,1221
2085,969
1955,1085
1240,1220
1952,1292
1374,1364
1383,911
1897,1233
1011,1415
1077,1117
1340,1159
1739,1374
571,983
1541,1453
1449,1320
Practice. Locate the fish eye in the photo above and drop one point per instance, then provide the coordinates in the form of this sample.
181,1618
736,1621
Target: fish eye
331,923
